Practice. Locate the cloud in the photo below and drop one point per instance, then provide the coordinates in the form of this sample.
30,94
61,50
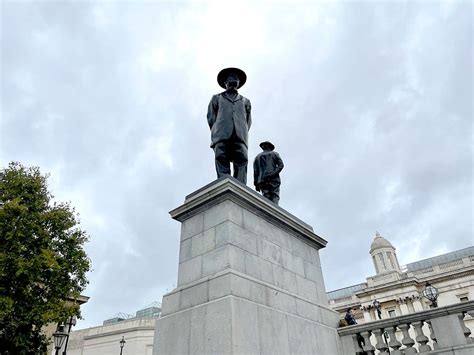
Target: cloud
369,105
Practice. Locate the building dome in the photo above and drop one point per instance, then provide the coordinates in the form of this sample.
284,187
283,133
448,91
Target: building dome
379,242
383,255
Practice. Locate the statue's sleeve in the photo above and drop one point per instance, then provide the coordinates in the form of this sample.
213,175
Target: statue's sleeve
248,108
256,170
212,111
279,163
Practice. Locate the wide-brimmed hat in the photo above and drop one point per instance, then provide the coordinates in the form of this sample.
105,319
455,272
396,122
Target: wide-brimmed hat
224,74
272,147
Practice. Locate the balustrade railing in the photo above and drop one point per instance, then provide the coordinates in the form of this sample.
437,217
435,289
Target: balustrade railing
438,330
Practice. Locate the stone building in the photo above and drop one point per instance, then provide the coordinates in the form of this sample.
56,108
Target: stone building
137,331
399,289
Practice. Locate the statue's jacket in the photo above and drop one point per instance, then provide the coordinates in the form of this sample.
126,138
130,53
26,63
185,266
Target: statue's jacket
266,169
224,115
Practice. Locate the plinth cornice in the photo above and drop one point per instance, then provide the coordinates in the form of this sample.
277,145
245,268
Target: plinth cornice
228,188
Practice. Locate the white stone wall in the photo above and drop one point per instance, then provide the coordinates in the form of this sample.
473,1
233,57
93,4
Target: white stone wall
104,340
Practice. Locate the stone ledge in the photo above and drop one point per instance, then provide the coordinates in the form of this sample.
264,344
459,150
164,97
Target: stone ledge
178,292
121,331
228,188
231,296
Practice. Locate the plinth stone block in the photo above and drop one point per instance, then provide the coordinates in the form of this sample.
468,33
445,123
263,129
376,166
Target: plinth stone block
249,280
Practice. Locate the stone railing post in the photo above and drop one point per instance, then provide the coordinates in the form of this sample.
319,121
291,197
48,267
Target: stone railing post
380,346
421,338
467,331
368,348
355,341
432,335
407,340
449,330
394,343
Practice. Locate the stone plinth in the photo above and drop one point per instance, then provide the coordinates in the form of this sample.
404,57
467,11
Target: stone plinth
249,280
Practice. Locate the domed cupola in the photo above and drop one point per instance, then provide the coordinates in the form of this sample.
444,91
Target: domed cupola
383,255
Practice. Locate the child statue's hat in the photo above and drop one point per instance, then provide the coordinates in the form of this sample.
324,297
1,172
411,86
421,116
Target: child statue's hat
224,74
270,144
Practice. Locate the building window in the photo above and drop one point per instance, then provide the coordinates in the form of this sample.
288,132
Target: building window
392,313
463,298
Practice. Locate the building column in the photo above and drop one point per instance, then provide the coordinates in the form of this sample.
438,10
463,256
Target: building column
367,316
404,309
417,305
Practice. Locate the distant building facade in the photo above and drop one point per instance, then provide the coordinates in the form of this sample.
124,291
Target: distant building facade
399,289
137,331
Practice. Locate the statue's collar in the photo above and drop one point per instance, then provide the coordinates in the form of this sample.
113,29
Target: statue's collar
228,97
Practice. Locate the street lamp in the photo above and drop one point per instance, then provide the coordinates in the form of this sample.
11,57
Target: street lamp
378,308
431,293
122,344
72,323
59,336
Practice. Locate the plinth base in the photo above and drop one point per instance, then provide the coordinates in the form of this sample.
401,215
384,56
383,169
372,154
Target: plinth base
249,280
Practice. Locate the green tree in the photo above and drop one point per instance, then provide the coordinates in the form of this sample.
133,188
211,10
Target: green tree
42,260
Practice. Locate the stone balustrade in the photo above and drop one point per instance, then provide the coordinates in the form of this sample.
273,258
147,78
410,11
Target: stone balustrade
460,263
435,331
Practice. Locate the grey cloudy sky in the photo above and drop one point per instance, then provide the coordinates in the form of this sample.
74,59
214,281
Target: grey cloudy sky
368,103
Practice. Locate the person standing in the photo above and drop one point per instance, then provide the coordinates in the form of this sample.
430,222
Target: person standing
350,319
229,118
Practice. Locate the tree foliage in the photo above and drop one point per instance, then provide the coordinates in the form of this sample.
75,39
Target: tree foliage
42,260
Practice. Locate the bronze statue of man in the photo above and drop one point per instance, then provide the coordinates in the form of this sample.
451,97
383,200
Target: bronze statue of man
266,172
229,119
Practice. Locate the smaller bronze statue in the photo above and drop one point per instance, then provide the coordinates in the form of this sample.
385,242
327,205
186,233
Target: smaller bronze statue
266,172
